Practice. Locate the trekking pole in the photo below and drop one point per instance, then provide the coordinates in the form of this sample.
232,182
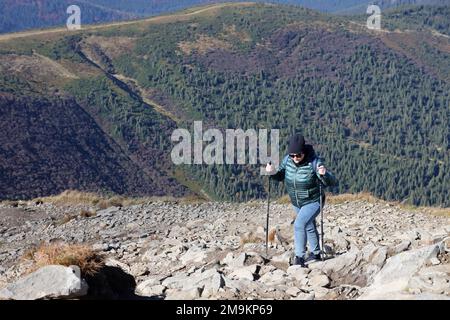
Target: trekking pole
267,218
321,221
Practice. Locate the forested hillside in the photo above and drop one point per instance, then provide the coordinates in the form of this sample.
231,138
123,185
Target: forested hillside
374,104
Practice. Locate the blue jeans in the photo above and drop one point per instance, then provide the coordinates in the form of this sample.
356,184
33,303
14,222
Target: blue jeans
305,229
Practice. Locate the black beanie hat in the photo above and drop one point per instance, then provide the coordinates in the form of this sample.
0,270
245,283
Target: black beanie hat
296,144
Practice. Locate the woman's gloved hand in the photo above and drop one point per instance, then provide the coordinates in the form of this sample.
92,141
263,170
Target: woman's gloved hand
321,170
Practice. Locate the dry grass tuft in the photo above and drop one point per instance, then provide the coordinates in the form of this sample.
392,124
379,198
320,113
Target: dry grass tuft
10,203
368,197
87,213
284,200
361,196
116,201
83,256
272,234
71,197
67,218
250,237
435,211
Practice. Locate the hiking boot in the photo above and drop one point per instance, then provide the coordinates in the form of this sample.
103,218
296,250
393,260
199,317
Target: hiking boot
299,261
313,258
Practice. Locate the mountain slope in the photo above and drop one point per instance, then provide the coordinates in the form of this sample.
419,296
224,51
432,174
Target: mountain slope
44,154
375,104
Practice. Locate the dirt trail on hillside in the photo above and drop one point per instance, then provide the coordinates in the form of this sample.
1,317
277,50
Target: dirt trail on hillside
159,19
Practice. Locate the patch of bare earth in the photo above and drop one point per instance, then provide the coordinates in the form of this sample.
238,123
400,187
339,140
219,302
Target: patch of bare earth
113,47
203,45
35,67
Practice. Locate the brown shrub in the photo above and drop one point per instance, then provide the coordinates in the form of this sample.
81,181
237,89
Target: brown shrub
10,203
83,256
250,237
272,234
65,219
87,213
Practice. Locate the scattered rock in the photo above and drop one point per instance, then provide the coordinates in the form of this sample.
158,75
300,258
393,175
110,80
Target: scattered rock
194,250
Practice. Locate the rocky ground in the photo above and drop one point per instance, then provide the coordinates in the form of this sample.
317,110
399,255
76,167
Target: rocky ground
174,250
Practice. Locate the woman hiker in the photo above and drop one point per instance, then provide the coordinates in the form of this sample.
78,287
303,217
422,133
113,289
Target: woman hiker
302,182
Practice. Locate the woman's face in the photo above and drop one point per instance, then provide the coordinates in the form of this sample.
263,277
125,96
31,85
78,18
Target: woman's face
297,158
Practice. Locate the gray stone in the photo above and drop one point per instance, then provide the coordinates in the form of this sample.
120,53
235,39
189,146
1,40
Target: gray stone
244,273
433,279
176,281
298,273
402,246
149,291
188,294
338,263
139,269
397,272
274,278
379,256
305,296
293,291
446,244
210,279
320,292
435,261
50,282
282,258
228,258
319,281
150,282
194,256
239,261
109,212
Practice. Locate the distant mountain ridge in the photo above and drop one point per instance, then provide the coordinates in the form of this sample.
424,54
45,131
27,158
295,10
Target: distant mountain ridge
32,14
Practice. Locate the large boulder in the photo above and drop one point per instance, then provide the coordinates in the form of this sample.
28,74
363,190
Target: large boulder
50,282
394,277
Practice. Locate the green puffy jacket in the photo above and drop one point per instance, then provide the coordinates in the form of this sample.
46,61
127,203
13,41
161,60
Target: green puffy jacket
302,181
